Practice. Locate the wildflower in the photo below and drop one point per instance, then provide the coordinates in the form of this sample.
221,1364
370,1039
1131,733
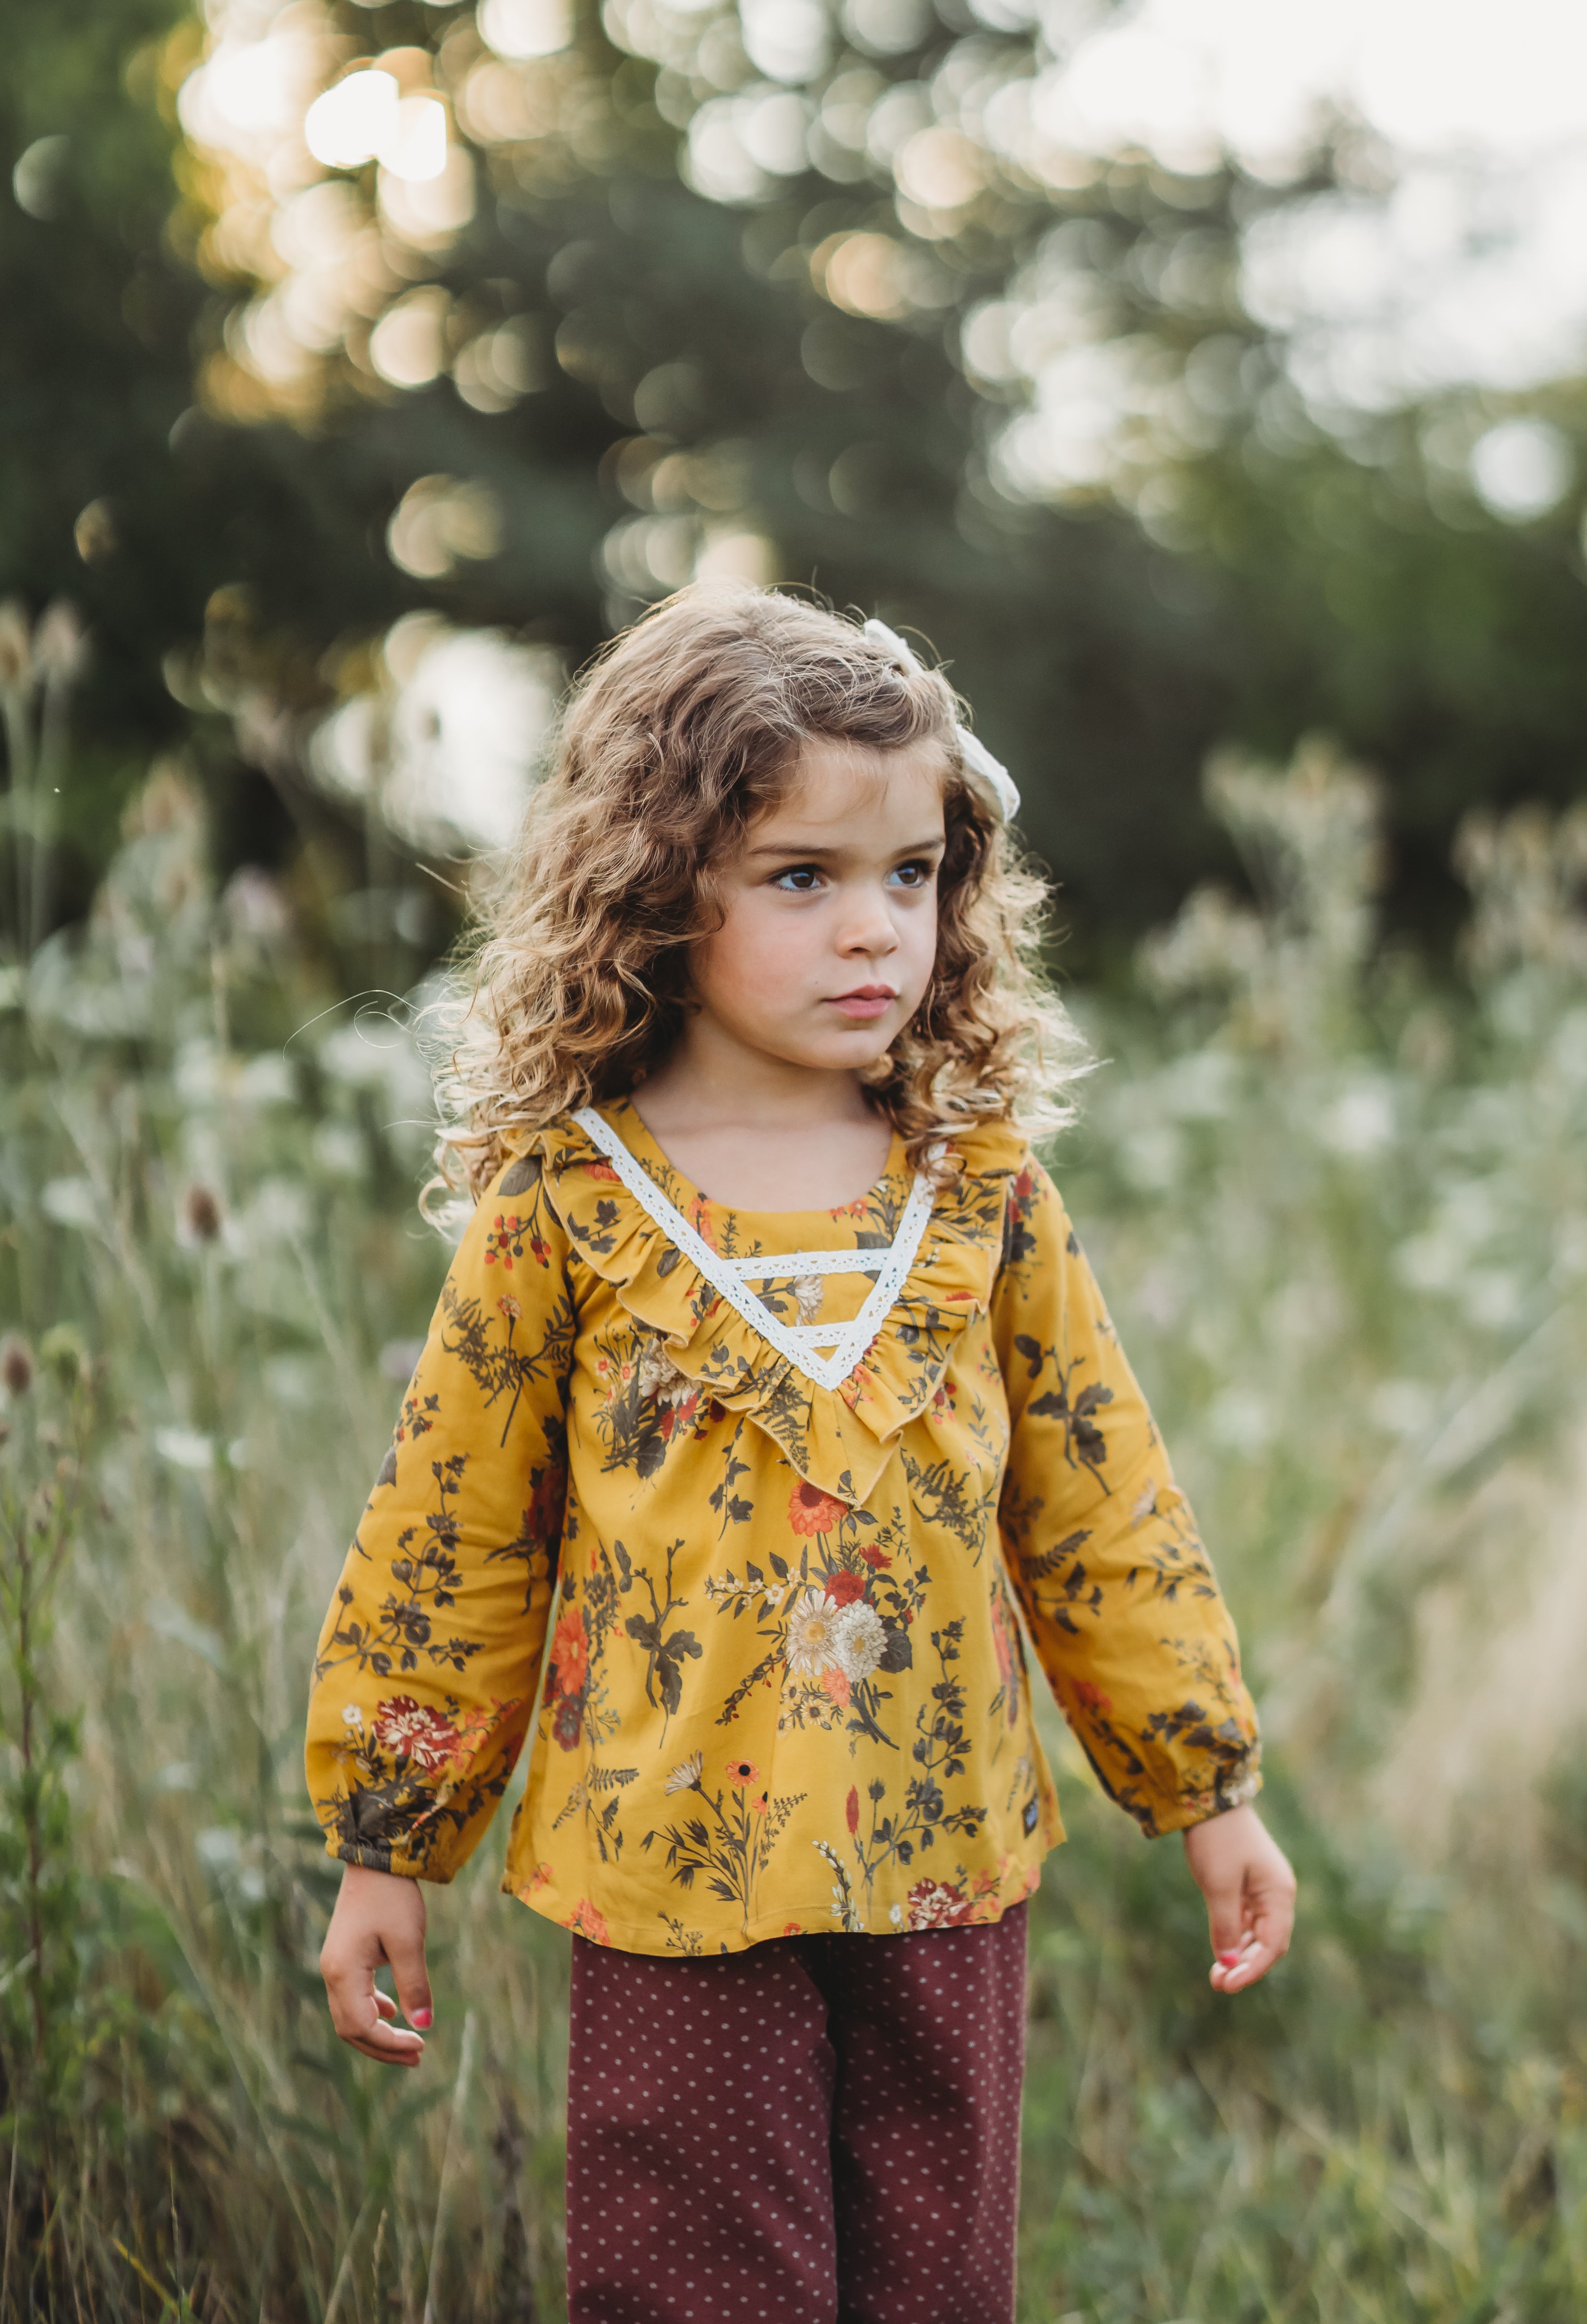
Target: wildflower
201,1218
742,1772
686,1775
761,1802
875,1557
842,1588
834,1682
510,1309
812,1643
860,1641
810,1510
17,1365
351,1717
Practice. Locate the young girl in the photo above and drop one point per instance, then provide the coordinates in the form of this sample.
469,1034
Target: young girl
769,1380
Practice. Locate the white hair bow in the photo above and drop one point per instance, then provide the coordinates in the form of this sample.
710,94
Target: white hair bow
992,783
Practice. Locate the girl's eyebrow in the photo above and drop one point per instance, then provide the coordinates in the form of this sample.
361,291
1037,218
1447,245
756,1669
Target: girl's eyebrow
802,850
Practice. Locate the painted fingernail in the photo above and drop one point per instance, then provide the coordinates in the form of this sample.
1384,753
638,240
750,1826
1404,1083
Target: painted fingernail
421,2019
1225,1960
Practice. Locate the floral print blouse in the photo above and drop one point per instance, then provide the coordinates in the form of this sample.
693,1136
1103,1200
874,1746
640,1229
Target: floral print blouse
767,1631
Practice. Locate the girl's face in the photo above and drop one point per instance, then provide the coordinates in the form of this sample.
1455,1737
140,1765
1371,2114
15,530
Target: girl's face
830,929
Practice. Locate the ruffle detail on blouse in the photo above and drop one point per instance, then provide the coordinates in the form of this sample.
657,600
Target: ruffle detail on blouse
837,1439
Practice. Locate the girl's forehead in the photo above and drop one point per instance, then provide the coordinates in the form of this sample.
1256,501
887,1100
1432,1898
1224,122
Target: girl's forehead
834,780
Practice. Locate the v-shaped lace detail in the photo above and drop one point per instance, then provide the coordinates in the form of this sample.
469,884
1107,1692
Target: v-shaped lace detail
732,1276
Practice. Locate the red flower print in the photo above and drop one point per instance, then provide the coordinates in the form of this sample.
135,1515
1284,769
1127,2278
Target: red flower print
852,1809
1092,1697
938,1904
843,1589
835,1683
548,1493
810,1510
566,1720
506,1240
604,1171
792,1929
586,1922
510,1309
760,1803
411,1731
570,1654
742,1771
875,1557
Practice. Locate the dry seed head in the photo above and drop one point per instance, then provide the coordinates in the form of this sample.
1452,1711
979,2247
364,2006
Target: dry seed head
16,658
63,1352
17,1365
59,643
201,1214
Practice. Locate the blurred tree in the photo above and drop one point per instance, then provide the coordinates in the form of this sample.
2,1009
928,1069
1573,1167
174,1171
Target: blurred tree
747,289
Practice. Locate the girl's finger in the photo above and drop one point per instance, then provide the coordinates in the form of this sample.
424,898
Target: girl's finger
389,2057
384,2004
1265,1944
1253,1964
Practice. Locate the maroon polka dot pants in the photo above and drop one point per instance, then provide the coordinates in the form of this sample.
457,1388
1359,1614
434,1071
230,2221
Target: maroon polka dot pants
821,2130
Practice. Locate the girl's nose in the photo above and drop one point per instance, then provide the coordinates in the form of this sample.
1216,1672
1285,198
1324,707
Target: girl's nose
869,927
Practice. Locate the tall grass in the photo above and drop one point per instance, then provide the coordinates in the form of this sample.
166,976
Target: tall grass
1341,1211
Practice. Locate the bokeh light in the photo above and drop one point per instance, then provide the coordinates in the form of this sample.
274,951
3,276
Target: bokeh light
449,739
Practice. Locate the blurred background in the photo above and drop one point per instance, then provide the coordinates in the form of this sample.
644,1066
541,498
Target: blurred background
1204,380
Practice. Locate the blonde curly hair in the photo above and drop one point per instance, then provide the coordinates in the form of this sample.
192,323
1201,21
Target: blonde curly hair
683,731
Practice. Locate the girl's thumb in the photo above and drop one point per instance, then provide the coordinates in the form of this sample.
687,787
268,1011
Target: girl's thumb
411,1979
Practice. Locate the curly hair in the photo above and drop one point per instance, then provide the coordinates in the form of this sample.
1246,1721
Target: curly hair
682,732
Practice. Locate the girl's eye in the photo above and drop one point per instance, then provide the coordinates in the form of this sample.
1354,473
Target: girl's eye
798,879
918,874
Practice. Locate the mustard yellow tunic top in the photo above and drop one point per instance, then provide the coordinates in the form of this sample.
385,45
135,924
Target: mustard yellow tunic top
785,1684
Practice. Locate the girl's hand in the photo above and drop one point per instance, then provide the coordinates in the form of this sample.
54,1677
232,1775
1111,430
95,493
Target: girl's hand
379,1917
1245,1876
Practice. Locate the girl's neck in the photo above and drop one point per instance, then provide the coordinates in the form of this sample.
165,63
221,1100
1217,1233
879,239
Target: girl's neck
759,1132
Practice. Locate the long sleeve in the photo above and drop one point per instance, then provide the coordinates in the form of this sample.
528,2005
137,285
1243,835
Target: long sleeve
1120,1596
425,1676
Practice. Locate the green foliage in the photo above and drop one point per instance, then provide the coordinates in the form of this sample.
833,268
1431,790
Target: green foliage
1340,1215
42,1486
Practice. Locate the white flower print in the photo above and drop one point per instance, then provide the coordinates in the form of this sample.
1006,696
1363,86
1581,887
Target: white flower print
812,1635
686,1775
807,1295
658,1376
860,1640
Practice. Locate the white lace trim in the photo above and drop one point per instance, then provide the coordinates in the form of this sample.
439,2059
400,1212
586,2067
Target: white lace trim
731,1277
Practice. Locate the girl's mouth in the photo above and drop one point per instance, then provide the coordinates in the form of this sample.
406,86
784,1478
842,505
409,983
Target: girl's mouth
865,1001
